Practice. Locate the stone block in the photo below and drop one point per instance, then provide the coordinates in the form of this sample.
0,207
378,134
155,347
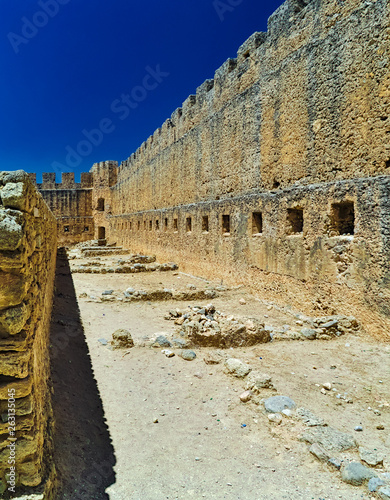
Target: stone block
15,364
13,195
14,319
22,388
11,231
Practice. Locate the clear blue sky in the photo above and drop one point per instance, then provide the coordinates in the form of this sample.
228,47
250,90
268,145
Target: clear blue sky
91,64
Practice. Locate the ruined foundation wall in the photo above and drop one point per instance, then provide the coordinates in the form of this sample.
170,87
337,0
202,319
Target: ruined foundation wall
276,173
27,267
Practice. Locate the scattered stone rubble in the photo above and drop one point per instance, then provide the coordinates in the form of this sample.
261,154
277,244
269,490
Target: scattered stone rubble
159,294
134,264
204,326
207,327
167,294
327,444
323,328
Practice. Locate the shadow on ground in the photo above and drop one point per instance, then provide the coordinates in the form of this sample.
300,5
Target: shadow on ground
84,455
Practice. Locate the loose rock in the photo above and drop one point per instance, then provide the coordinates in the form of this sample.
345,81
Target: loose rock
213,358
246,396
168,354
162,341
309,418
384,492
308,333
122,339
356,474
257,381
276,418
329,438
276,404
319,452
237,368
188,355
374,483
371,457
335,462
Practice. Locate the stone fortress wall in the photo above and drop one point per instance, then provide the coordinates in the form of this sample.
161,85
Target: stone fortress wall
276,172
27,266
71,203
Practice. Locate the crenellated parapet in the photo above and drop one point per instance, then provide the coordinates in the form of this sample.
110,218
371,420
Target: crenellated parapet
67,181
211,95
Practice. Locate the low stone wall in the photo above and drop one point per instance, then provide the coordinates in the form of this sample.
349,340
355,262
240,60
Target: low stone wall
27,267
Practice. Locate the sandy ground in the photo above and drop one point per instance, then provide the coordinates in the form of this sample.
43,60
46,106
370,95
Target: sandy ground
206,443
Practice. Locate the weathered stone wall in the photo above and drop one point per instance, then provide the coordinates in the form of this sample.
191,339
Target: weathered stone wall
82,209
27,266
306,102
71,203
294,130
104,175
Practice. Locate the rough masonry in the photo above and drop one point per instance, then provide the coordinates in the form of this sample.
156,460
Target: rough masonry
27,266
276,172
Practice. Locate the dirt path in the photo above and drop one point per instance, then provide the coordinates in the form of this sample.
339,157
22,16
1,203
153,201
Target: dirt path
206,443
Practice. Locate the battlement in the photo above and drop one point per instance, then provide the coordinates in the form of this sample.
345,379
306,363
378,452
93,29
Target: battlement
67,181
292,31
227,82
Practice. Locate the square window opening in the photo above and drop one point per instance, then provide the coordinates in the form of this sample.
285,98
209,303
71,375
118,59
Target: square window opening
66,229
295,221
343,218
86,229
257,223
